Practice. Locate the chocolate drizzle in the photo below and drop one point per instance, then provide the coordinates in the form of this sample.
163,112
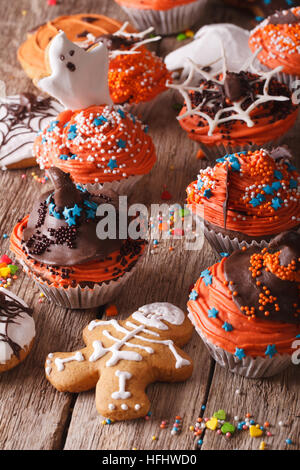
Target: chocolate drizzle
249,290
10,310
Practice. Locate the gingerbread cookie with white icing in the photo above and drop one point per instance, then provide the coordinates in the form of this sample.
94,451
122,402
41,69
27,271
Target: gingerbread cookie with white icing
21,117
122,358
17,330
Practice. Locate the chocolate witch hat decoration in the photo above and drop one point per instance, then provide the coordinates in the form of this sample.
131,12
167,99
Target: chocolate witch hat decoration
61,228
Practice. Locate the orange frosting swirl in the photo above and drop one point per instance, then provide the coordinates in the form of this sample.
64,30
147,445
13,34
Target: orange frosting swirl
280,44
262,196
113,267
251,335
154,4
97,144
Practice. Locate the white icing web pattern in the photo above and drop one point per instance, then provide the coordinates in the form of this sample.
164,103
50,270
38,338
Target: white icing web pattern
236,110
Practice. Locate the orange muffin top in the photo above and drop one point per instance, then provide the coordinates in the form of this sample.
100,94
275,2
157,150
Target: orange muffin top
255,193
248,304
97,144
240,109
279,39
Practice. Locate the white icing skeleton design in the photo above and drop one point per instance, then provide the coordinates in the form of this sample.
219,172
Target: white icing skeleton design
126,347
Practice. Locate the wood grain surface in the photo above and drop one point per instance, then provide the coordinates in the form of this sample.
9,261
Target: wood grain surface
33,415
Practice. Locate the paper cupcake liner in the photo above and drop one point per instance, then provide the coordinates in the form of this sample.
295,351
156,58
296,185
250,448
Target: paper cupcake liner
223,243
84,297
250,367
122,187
214,152
169,21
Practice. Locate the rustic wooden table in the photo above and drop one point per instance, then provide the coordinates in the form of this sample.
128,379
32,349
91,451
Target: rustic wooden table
33,415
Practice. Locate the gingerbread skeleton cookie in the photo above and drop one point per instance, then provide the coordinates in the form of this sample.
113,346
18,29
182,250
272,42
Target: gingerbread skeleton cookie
122,357
17,330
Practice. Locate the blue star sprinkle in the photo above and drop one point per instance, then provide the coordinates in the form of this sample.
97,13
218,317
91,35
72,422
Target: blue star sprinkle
271,350
207,193
276,203
53,212
72,133
293,183
227,326
112,164
76,211
268,189
212,312
276,185
278,175
121,143
100,120
193,295
224,254
52,126
199,184
239,353
207,277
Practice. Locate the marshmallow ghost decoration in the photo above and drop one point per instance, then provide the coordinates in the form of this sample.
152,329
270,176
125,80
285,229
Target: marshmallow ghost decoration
78,78
122,357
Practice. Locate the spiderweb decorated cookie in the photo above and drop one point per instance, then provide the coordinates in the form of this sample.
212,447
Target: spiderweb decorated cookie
17,330
122,357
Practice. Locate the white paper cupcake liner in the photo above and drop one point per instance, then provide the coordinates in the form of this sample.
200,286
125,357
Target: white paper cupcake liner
225,244
250,367
170,21
214,152
122,187
84,298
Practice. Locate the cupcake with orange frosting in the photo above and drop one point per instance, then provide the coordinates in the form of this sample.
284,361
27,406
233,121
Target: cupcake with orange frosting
166,16
135,74
100,145
247,199
235,111
276,40
246,308
61,248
